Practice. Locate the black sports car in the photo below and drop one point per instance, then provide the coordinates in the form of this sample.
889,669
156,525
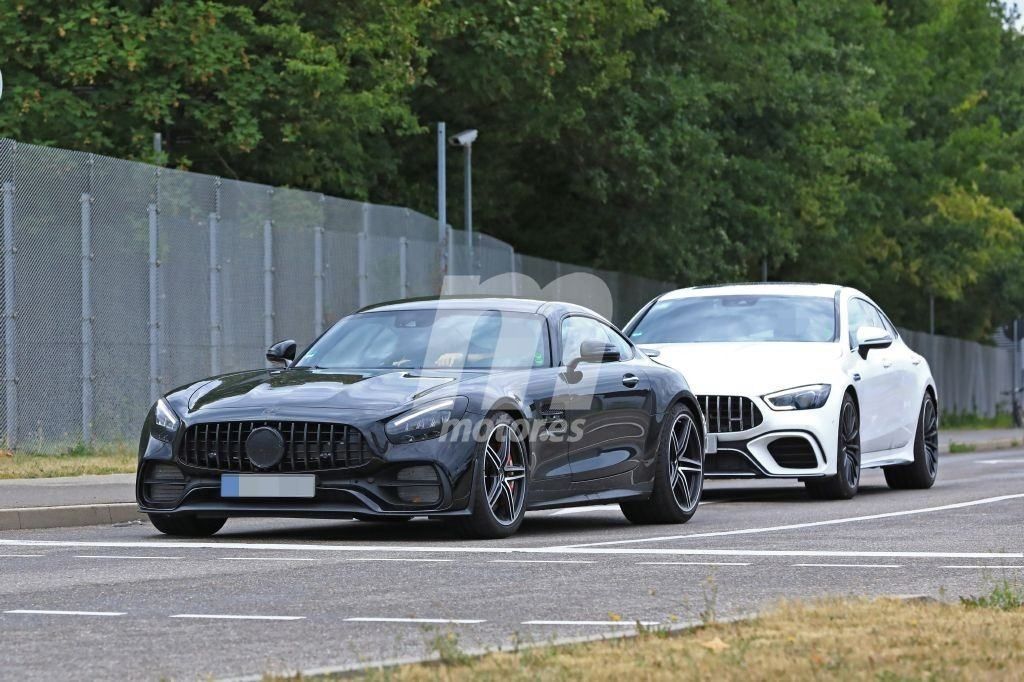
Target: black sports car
474,409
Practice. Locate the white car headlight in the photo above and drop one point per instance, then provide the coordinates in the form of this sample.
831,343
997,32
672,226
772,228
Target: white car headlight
425,422
165,422
799,398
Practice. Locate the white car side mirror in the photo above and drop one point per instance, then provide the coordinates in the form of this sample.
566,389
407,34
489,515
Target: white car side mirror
872,338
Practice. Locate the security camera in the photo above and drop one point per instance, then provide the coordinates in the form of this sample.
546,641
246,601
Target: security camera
463,139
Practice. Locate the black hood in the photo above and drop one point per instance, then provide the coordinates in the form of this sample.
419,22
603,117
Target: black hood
325,389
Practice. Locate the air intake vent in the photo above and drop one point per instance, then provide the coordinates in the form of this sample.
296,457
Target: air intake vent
308,446
730,413
163,484
793,453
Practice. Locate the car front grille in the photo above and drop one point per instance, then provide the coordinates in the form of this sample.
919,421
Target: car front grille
308,446
730,413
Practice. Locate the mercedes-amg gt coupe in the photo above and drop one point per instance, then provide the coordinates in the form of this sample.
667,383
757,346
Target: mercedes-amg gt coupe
476,409
799,381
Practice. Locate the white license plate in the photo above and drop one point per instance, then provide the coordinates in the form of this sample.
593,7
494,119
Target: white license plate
267,485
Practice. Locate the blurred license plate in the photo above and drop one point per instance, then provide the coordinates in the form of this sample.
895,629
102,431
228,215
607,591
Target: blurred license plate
267,485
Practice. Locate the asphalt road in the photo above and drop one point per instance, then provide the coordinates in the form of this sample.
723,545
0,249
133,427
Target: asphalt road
268,595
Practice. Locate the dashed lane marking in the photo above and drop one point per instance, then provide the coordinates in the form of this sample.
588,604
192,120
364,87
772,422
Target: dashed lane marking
623,622
431,621
43,612
848,565
693,563
231,616
125,556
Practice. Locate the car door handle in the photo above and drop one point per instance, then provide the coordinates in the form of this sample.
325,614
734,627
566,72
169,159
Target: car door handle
916,361
886,363
630,380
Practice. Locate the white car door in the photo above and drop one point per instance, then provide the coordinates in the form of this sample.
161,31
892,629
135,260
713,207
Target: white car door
873,382
905,399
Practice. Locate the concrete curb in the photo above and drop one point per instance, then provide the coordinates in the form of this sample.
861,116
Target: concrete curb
27,518
980,446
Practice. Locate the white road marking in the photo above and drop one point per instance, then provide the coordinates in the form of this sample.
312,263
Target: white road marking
692,563
428,561
452,621
999,461
849,565
586,510
227,616
493,549
624,622
986,566
66,613
809,524
19,556
268,558
123,556
541,561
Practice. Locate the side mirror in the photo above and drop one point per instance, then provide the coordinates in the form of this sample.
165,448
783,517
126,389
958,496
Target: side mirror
872,338
649,352
591,351
599,351
282,353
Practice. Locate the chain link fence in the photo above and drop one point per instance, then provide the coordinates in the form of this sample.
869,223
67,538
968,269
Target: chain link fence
122,280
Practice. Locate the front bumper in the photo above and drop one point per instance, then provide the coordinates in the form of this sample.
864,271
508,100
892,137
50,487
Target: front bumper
166,485
786,444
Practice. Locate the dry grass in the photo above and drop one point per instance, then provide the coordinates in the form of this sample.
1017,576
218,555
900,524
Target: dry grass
102,459
883,639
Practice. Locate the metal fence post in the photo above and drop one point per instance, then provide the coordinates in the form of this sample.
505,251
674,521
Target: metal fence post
363,278
87,331
318,280
10,317
512,271
268,283
214,294
403,267
154,312
443,256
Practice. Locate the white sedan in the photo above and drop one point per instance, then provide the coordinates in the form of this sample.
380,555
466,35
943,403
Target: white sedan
806,381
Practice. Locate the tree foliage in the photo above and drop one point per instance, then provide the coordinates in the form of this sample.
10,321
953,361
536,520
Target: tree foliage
871,143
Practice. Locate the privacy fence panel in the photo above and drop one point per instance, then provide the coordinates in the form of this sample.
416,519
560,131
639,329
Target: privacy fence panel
120,281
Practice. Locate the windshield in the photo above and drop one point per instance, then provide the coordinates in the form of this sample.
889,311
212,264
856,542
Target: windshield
432,339
715,319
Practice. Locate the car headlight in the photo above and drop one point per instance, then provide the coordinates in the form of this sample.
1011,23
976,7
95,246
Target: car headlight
799,398
165,423
426,421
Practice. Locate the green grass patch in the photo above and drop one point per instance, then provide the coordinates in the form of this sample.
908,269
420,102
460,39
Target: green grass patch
973,422
1005,596
79,460
961,448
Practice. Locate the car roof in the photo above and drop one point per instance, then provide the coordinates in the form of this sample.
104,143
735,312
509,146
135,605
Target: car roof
510,304
757,289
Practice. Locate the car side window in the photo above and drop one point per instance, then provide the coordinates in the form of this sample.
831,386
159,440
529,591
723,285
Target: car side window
887,323
577,329
861,315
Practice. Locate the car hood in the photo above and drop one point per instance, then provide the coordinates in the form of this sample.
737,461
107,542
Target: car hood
323,389
750,368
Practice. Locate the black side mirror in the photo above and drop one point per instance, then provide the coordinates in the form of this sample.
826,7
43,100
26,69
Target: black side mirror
872,338
282,353
599,351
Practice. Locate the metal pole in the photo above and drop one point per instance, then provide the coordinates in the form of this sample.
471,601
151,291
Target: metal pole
403,272
362,277
931,314
214,295
154,313
512,271
268,283
158,143
87,341
442,208
469,206
764,269
10,317
318,280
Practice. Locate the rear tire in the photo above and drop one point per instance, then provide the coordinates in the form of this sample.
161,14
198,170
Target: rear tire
921,474
500,481
846,482
186,526
678,475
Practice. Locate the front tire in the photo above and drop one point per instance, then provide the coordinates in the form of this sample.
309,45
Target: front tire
846,482
186,526
679,473
921,474
499,482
